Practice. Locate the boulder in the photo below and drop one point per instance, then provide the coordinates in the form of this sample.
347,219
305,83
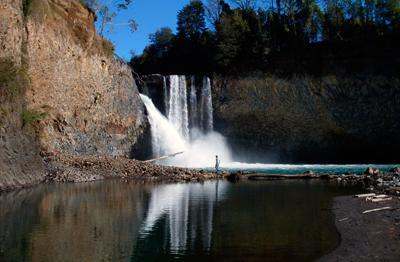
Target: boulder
371,171
233,177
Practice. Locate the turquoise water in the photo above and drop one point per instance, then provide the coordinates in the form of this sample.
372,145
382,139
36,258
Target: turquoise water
299,169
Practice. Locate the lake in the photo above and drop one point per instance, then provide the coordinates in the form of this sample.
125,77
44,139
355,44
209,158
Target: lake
144,221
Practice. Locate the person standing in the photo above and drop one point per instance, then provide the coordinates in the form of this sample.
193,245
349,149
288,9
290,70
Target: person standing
217,162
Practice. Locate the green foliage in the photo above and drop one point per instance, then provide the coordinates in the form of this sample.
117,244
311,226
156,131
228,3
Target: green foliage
162,39
231,33
252,37
191,20
31,117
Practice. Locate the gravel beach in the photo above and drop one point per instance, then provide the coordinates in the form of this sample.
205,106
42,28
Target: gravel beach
374,236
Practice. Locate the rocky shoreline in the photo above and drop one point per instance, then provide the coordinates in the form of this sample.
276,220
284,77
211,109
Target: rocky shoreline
91,168
79,169
372,180
61,168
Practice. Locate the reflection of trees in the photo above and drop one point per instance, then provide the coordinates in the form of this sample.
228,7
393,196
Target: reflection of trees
88,222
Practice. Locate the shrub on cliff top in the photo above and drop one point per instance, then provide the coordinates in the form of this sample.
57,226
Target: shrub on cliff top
108,47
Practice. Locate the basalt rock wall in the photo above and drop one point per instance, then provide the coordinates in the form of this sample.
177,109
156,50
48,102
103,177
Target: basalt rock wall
304,119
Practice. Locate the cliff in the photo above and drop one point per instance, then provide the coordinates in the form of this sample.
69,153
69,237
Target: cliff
20,163
329,119
73,96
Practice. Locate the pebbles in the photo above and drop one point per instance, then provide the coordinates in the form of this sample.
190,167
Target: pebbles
375,180
91,168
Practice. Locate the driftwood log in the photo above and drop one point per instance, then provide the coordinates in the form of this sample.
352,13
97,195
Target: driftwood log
163,157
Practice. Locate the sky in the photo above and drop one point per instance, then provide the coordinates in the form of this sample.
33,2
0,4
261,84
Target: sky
150,16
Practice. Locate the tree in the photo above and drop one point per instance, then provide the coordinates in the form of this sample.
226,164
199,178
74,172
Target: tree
309,19
214,10
107,10
333,19
191,20
231,33
393,14
161,40
245,4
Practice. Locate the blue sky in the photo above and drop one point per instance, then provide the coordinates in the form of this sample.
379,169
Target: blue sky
150,15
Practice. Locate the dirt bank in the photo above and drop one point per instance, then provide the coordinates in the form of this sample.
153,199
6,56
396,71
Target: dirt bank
374,236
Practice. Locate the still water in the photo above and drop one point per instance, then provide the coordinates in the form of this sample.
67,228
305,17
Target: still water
130,221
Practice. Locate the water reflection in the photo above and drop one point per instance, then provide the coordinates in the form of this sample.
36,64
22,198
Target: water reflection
88,222
186,210
117,221
18,215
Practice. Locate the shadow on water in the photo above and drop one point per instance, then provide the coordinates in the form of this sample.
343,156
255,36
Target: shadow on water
213,221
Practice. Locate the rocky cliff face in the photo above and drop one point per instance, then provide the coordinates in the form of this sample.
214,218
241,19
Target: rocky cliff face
342,119
20,163
78,99
91,101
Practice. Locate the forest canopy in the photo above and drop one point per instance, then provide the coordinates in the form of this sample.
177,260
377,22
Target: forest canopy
242,36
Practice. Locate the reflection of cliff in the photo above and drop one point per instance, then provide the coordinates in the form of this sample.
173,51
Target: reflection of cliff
183,213
18,215
91,222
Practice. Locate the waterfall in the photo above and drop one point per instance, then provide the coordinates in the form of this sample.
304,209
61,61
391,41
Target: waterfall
193,104
178,108
206,111
165,139
166,99
172,134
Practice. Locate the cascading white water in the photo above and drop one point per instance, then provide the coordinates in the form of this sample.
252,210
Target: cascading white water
166,99
193,104
206,112
178,113
165,139
174,134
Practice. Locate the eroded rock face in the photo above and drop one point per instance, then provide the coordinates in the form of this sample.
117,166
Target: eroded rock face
11,30
20,163
91,100
63,72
